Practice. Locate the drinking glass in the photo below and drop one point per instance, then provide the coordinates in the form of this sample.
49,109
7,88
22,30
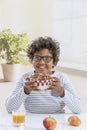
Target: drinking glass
18,118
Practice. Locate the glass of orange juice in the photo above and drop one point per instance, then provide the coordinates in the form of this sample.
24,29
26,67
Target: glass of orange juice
18,118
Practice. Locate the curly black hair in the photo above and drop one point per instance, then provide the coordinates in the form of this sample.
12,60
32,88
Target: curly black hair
44,43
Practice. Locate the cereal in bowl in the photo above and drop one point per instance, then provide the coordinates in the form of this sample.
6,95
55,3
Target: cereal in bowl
43,81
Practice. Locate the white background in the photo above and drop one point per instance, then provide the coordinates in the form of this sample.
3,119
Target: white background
64,20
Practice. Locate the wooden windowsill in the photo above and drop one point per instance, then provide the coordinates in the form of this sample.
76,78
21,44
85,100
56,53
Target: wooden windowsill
73,66
2,80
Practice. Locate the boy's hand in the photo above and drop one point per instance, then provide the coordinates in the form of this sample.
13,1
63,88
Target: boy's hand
57,87
29,85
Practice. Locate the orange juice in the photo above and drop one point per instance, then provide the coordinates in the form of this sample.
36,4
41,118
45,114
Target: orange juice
18,118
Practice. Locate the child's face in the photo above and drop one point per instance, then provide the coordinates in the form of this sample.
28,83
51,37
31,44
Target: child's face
43,61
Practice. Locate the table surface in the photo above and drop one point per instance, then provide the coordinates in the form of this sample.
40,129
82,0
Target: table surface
35,122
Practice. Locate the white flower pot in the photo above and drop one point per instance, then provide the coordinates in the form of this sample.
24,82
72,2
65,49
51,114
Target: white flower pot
11,72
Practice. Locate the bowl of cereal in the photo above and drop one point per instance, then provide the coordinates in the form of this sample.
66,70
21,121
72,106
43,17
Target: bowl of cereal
43,81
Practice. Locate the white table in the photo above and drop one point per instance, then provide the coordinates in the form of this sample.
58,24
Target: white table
35,122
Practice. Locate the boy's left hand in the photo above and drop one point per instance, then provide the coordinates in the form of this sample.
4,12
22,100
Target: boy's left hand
56,87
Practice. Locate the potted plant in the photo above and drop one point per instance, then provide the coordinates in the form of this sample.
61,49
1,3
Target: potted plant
13,49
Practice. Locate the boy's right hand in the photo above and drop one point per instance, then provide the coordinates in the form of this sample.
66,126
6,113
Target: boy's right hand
29,85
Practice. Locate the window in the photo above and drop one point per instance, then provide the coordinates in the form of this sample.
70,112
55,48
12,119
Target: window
70,29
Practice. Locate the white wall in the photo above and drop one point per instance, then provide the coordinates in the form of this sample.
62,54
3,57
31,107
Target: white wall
32,16
65,20
5,90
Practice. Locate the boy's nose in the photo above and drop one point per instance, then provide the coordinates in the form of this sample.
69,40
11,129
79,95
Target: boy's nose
42,60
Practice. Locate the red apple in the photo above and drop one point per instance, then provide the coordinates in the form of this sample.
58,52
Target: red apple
49,123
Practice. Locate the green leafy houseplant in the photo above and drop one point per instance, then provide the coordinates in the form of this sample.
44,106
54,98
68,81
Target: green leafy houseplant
13,46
